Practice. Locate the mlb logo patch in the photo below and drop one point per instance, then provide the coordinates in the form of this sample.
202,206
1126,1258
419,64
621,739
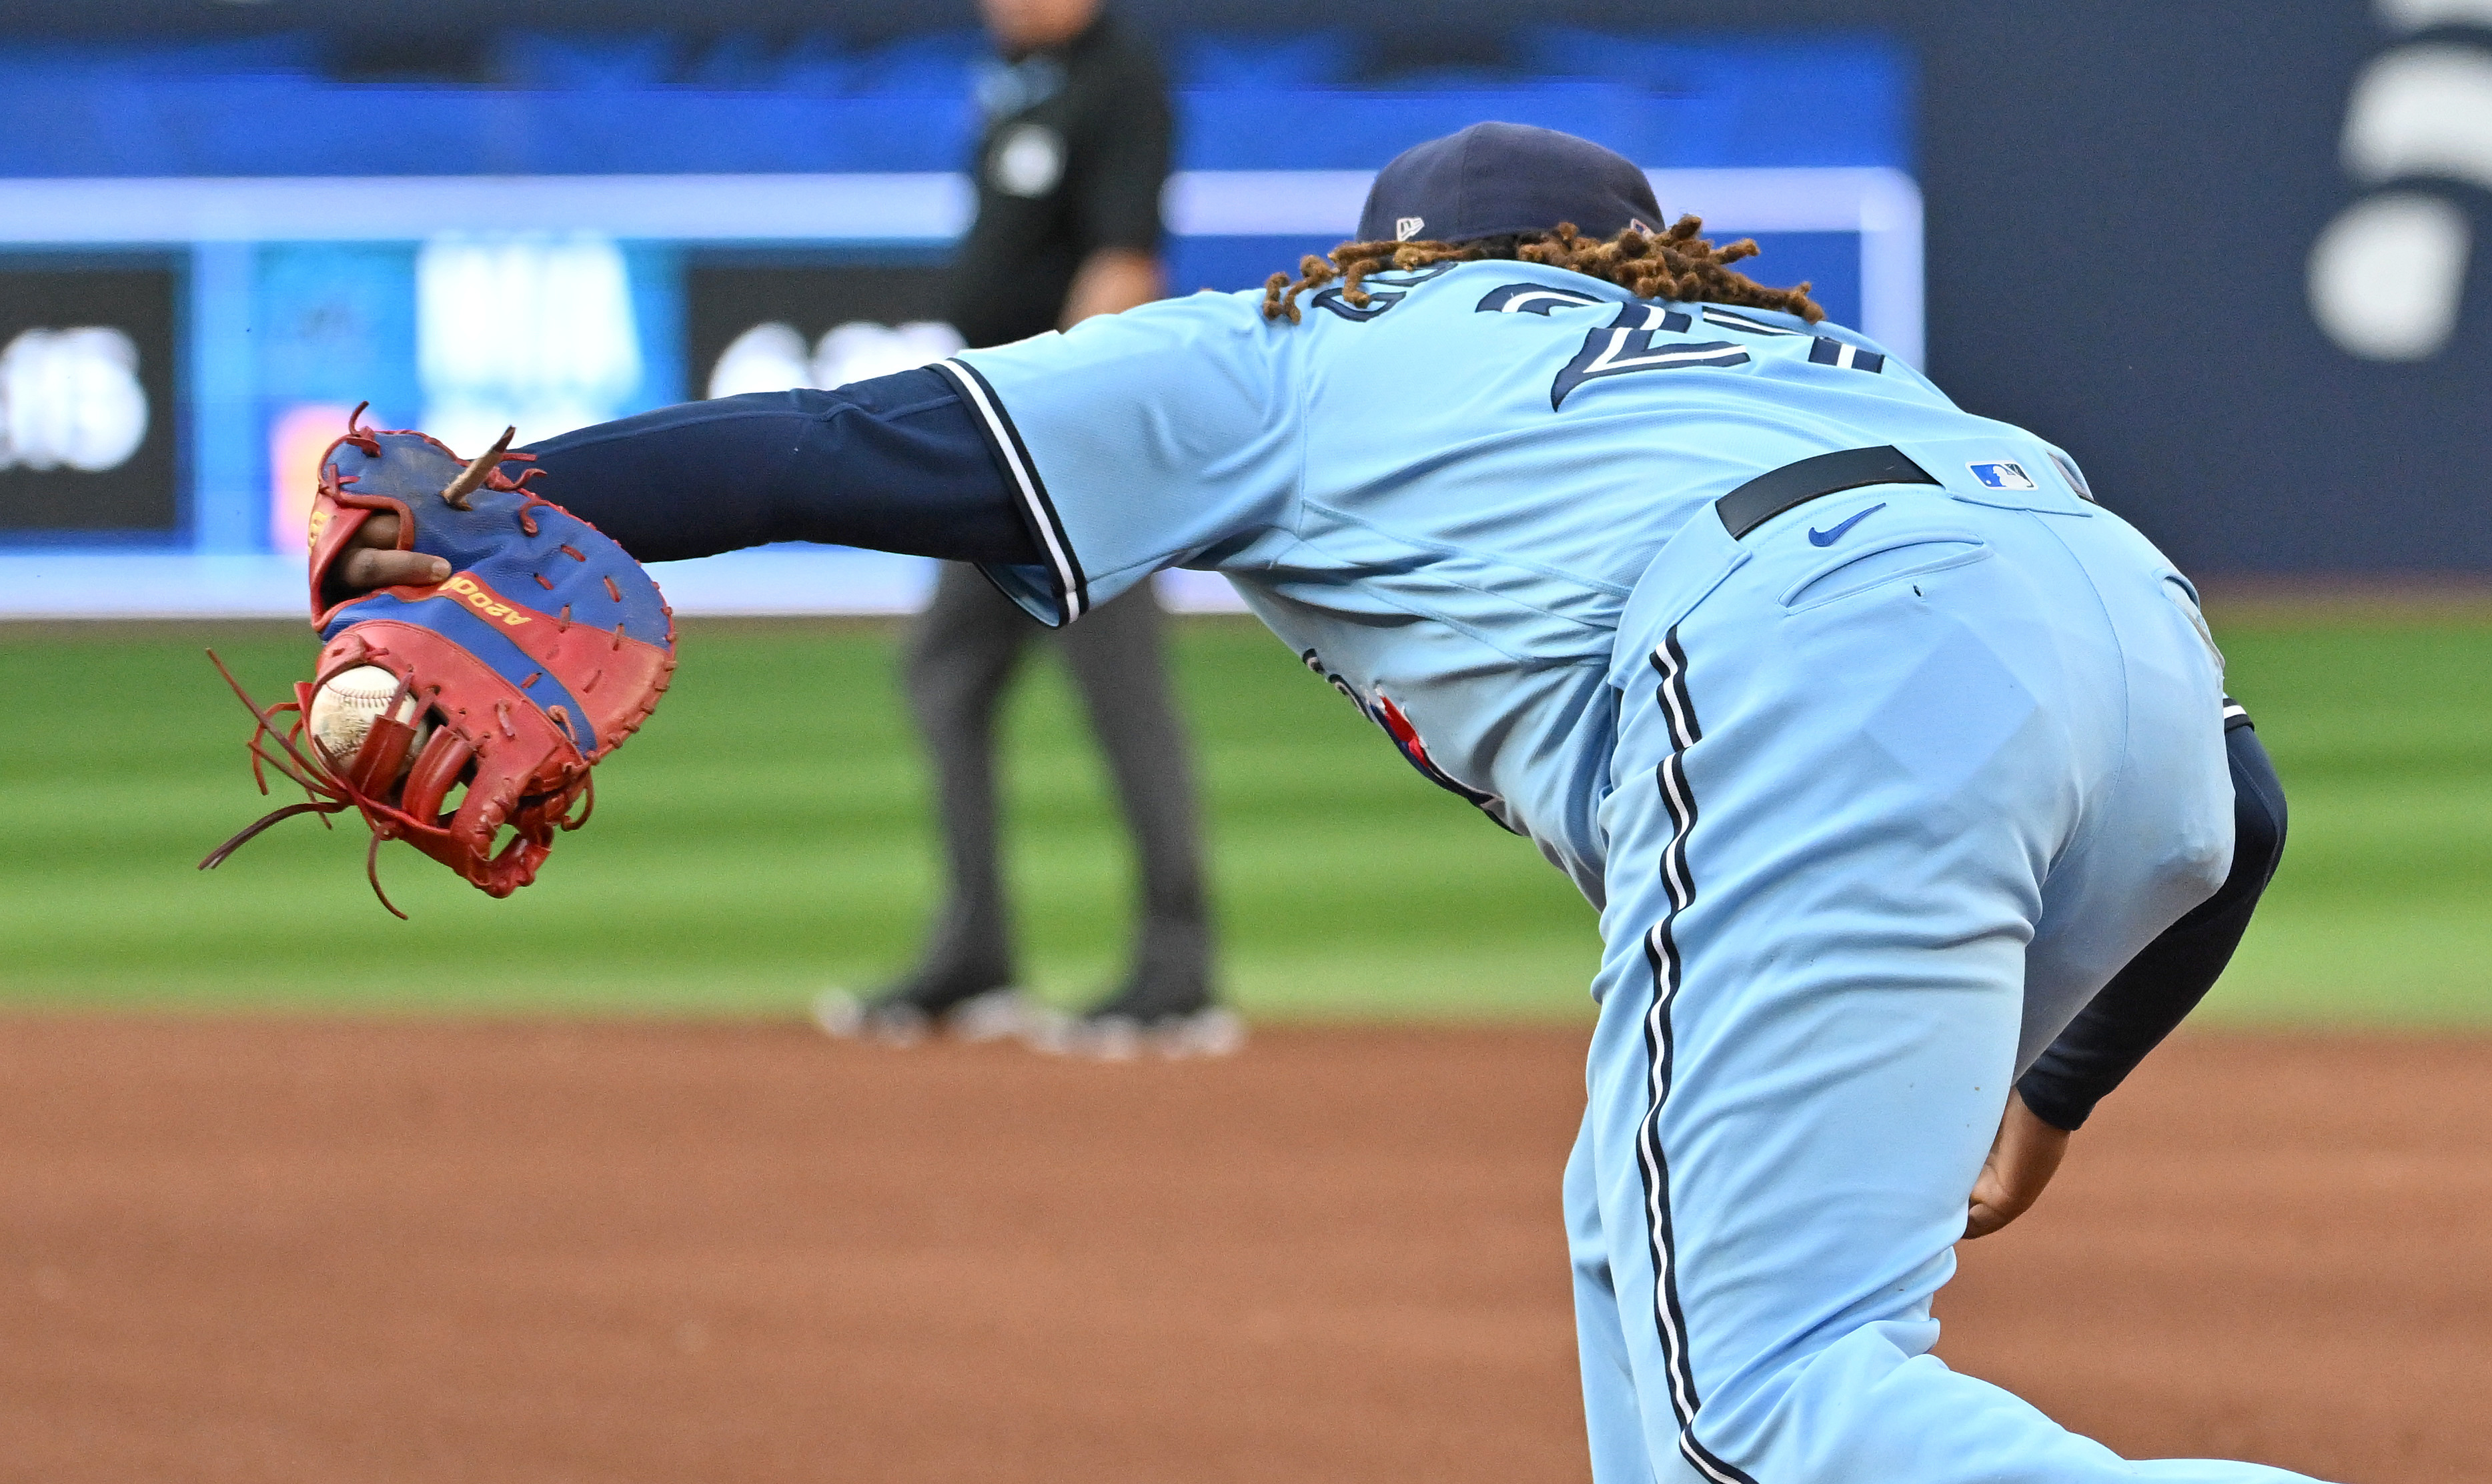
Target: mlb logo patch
2003,476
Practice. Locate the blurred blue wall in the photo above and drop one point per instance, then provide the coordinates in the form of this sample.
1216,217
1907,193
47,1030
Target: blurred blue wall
573,104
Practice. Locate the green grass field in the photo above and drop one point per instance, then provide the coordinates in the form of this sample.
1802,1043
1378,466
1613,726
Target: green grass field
739,860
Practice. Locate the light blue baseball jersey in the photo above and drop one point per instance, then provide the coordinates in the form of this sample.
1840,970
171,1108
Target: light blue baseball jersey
1874,795
1444,499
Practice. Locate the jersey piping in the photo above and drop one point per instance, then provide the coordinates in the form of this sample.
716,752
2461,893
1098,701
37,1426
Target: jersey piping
1072,589
1662,957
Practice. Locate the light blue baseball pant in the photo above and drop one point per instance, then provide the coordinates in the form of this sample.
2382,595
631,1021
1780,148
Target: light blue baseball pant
1886,812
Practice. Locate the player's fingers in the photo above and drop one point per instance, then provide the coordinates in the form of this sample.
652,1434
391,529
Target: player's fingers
2022,1160
363,570
373,560
1995,1202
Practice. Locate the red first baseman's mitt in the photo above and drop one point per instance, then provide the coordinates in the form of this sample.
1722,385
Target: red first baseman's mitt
543,650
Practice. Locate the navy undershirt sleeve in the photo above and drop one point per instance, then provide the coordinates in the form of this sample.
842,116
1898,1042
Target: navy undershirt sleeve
2146,1001
893,464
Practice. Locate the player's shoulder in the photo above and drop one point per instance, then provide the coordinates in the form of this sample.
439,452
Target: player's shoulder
1168,346
1206,312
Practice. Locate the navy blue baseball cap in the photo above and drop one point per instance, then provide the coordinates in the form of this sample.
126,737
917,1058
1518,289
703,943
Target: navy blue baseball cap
1492,179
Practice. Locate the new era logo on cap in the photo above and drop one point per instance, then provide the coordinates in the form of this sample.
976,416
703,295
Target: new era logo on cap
1406,227
2003,476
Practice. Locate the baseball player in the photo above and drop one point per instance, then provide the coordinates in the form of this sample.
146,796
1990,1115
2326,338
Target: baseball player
1069,171
1898,767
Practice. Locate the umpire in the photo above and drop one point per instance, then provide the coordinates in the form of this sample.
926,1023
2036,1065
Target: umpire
1070,167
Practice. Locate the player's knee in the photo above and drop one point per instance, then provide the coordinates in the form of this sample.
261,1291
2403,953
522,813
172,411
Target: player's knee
2197,854
1831,1375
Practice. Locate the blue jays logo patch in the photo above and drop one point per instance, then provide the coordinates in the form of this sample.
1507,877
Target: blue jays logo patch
1405,737
2003,476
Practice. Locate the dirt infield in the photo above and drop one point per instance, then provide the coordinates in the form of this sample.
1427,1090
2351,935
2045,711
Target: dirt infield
355,1251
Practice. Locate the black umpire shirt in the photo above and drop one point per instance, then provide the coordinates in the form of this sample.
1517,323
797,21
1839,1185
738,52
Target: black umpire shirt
1074,150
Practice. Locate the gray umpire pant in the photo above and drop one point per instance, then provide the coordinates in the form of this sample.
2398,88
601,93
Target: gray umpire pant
962,653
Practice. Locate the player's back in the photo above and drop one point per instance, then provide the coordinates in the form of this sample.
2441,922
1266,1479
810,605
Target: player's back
1442,498
1558,419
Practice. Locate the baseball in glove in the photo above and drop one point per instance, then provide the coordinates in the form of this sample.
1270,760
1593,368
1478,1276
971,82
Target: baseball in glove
461,716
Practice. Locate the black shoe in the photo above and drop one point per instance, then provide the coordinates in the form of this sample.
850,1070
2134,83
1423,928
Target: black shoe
907,1013
1173,1018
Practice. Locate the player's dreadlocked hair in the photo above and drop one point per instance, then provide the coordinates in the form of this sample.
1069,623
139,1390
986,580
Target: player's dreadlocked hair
1675,265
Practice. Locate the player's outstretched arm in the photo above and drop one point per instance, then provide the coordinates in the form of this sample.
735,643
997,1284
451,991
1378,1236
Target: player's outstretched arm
1070,466
895,463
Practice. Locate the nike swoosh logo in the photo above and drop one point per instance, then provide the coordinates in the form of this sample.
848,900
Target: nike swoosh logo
1817,538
